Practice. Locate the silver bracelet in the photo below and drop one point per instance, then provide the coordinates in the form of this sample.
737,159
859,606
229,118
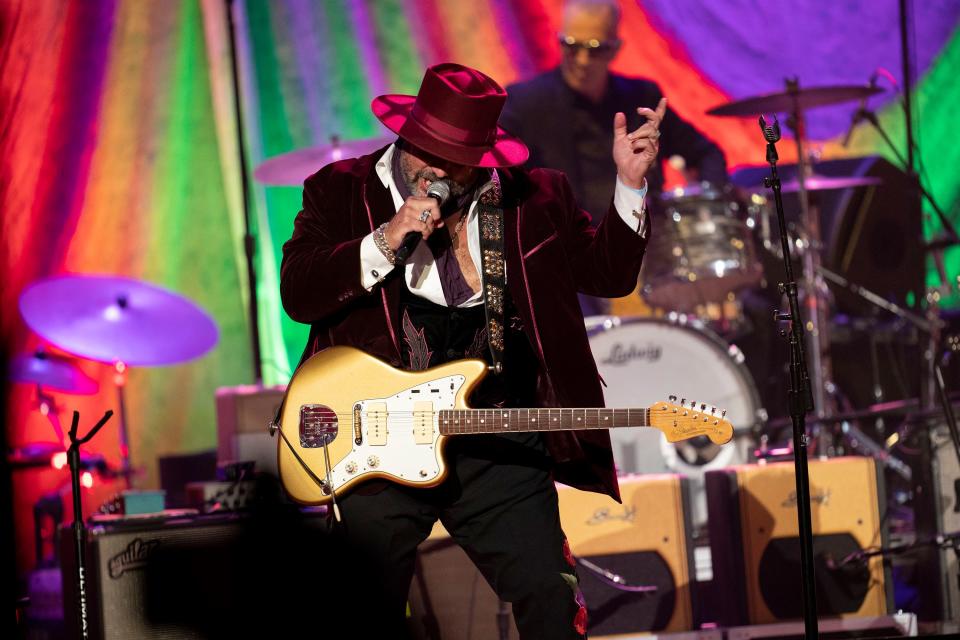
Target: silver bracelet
380,239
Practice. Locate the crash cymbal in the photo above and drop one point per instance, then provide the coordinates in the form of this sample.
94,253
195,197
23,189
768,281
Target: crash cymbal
113,319
828,183
787,101
52,371
291,169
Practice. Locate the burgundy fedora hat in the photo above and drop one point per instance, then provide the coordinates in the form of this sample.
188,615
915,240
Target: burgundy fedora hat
454,116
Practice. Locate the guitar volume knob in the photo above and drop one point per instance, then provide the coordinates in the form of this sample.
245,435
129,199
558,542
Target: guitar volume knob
373,462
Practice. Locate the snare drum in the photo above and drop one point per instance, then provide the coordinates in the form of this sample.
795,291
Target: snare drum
701,250
646,360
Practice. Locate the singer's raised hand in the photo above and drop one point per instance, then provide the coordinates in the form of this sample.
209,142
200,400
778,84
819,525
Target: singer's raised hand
635,151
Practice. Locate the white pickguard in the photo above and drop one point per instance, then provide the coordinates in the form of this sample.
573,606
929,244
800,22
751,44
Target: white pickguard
401,457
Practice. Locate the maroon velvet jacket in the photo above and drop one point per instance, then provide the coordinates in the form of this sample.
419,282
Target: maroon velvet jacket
551,253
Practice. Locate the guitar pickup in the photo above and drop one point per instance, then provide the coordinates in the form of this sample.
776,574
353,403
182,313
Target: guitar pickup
376,423
423,422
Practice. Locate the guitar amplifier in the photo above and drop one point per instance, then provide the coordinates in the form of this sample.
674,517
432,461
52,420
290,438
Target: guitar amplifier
645,540
244,414
755,546
217,576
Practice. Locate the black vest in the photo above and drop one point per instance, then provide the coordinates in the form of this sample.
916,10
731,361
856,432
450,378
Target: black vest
433,334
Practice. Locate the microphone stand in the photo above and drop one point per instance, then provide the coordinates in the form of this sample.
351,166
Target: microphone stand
249,242
79,530
800,395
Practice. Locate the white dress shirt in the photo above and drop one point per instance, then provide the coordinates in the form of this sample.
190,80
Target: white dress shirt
420,271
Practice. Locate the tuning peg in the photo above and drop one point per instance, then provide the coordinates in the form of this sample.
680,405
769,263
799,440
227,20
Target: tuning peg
693,404
703,407
713,410
673,398
683,401
724,413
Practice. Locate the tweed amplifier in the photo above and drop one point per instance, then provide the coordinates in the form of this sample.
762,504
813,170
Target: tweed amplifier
755,546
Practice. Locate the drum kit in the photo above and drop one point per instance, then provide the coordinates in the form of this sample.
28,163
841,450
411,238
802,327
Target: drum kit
112,320
707,256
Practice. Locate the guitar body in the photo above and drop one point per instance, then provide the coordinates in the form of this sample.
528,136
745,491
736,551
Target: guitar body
348,417
341,384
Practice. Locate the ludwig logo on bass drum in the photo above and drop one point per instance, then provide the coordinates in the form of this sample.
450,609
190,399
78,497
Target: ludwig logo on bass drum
622,354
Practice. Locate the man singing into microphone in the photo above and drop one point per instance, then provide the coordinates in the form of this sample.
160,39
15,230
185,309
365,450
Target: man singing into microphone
492,273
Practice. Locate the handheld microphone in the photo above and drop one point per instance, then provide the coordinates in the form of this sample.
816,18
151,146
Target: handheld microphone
859,113
439,190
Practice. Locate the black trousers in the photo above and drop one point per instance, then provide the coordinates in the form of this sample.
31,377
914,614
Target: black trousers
499,503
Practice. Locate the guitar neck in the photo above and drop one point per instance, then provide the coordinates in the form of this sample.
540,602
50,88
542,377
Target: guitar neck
460,421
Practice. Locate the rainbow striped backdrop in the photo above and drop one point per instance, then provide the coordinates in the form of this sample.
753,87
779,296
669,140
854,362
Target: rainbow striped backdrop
119,154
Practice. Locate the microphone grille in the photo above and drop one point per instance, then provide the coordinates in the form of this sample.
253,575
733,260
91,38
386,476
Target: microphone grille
771,132
439,189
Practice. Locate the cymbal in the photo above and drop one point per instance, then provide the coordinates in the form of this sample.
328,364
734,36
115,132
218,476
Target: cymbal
55,372
114,319
828,183
786,101
40,454
291,169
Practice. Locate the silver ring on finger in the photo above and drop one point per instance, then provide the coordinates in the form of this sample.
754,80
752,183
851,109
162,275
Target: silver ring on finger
655,135
424,215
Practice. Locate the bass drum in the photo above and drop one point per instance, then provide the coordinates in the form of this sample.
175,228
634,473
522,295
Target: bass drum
646,360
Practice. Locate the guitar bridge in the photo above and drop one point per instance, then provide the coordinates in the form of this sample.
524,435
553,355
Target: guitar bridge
318,425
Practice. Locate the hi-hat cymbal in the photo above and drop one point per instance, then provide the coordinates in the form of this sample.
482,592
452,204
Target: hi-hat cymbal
787,101
113,319
52,371
828,183
291,169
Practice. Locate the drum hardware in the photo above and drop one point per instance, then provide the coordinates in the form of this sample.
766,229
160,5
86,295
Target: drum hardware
118,321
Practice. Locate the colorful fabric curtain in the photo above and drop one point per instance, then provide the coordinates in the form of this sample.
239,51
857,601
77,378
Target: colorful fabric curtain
118,145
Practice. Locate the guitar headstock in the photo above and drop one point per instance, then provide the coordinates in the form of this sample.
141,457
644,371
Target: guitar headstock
682,421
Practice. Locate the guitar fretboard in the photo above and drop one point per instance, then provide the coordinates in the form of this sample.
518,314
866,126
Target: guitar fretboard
459,421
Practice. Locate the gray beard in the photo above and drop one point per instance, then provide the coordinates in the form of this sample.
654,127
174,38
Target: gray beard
412,179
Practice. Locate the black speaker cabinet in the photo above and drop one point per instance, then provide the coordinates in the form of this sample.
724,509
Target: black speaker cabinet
646,541
755,547
234,576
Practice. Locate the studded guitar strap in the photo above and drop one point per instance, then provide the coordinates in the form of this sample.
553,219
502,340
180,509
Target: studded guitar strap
490,211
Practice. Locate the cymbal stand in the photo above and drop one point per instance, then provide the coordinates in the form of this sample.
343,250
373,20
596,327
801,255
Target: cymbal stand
814,287
79,530
120,379
48,407
800,396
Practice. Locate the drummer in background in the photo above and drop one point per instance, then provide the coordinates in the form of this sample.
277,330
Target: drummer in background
564,114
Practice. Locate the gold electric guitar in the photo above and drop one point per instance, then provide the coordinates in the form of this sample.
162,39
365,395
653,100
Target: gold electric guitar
348,417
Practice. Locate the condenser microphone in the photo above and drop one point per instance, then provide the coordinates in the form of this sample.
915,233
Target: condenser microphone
439,190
